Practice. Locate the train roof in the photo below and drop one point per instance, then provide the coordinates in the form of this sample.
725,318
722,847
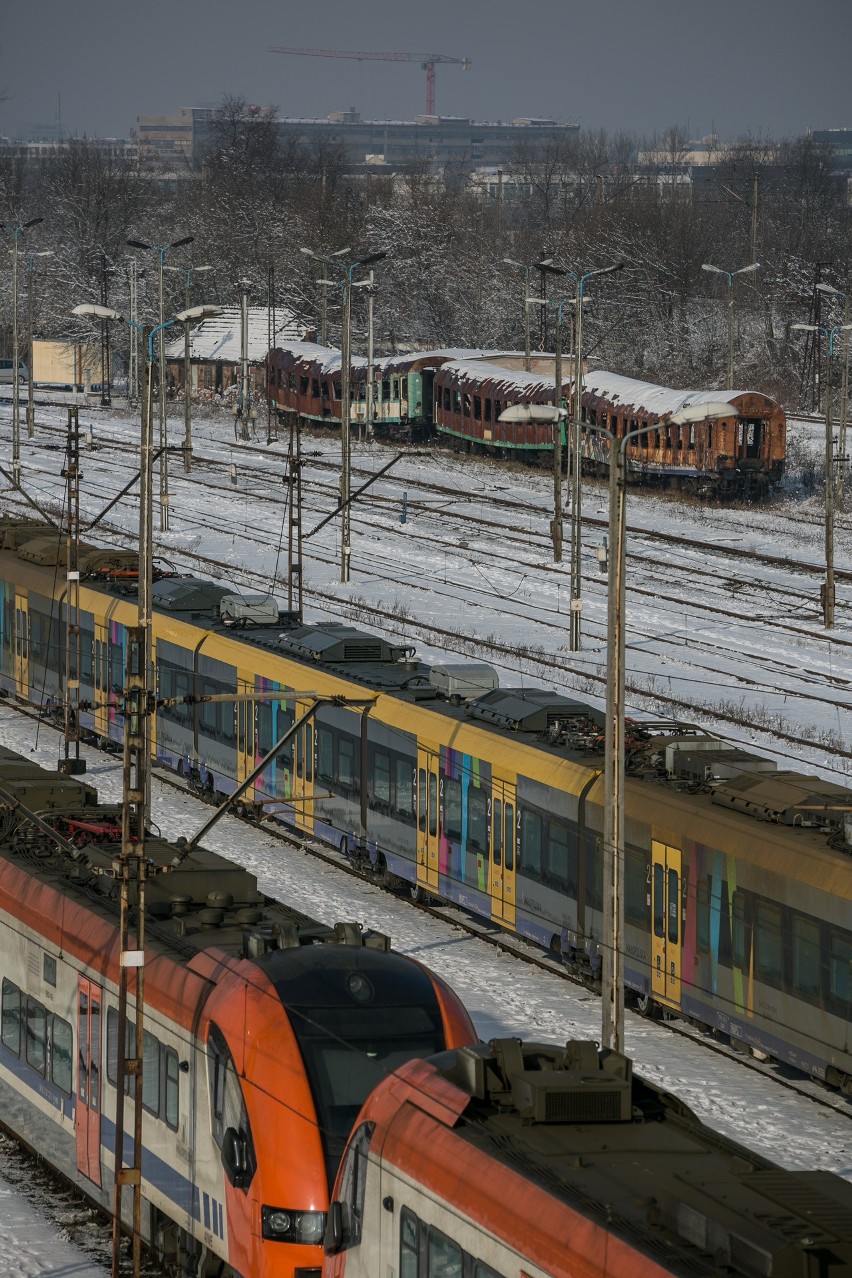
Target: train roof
644,399
502,379
600,1142
328,358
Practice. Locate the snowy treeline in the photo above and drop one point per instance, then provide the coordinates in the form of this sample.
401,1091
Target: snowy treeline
586,203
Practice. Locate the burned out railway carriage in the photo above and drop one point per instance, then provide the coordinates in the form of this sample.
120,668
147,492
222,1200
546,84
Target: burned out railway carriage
458,396
264,1032
738,876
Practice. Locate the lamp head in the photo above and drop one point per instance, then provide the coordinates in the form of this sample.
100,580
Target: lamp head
197,313
139,244
186,239
92,310
378,256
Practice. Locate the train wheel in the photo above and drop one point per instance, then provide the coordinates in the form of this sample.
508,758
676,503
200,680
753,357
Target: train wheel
646,1006
418,894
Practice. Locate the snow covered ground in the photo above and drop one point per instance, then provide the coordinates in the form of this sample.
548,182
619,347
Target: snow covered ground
761,649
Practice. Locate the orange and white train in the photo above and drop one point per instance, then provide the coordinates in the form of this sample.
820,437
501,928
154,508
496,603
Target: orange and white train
519,1160
264,1031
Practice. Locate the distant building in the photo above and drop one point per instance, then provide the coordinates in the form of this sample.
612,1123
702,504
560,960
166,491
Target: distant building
369,144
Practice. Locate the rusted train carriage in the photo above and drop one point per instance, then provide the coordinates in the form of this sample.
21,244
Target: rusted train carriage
304,378
740,455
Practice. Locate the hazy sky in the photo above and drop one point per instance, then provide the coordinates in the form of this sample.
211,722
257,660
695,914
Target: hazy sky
768,67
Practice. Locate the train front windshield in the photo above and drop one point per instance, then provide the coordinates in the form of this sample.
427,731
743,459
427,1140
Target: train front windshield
348,1052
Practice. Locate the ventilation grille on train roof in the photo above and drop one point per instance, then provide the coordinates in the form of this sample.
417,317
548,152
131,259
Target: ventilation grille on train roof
336,642
790,798
526,710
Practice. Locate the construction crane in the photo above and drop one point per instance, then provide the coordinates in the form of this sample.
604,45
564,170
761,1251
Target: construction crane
427,61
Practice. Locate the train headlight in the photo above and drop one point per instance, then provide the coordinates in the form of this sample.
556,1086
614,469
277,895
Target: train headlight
281,1224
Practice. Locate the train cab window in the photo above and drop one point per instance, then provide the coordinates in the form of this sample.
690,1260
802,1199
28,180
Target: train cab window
739,932
477,820
510,836
840,968
409,1245
497,826
353,1185
61,1050
806,958
36,1035
452,809
48,970
531,842
11,1018
228,1115
768,947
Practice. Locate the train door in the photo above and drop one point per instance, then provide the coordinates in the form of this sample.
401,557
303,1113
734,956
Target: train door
303,772
22,646
504,809
100,679
428,817
665,923
87,1111
244,716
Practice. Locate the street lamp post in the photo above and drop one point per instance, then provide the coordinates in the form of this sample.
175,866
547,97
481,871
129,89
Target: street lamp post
556,528
347,268
729,275
527,270
16,230
844,385
827,591
161,327
612,974
31,261
580,281
188,273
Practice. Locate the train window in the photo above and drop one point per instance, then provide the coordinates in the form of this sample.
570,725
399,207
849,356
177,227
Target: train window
477,819
557,851
488,410
381,777
404,779
292,381
477,408
346,761
228,1111
452,809
659,902
635,888
498,408
447,402
703,915
325,755
11,1018
151,1073
531,842
444,1257
421,799
739,932
171,1076
457,401
315,390
691,437
337,391
48,970
303,385
497,826
674,907
840,967
709,435
409,1245
386,391
768,949
806,958
510,836
433,804
353,1185
61,1049
36,1035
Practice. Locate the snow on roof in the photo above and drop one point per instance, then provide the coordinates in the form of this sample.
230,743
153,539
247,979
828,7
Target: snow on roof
645,397
218,338
509,381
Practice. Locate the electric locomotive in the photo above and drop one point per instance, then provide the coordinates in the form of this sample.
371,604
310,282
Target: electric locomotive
523,1158
436,780
264,1031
